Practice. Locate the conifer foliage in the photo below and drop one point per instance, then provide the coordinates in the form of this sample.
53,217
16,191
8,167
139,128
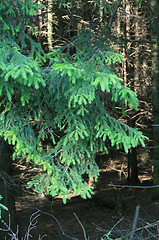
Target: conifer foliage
59,103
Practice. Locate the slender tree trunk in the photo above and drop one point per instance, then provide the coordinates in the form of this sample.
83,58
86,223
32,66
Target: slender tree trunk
155,88
6,190
132,161
132,167
40,24
128,74
132,155
50,24
136,60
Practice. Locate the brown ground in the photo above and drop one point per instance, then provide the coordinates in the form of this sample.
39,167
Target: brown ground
97,216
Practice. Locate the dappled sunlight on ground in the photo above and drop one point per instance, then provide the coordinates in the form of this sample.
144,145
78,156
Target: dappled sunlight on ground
96,216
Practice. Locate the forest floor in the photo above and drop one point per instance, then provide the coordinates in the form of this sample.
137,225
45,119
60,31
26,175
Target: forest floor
111,208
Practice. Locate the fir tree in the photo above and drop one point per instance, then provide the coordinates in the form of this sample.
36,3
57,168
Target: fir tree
60,103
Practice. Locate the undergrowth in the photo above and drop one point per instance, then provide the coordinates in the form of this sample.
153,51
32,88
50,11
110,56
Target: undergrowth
146,231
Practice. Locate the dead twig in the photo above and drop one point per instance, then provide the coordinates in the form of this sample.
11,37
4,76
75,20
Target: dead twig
84,232
135,222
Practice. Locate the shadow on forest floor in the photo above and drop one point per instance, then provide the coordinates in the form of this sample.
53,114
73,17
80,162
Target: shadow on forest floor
98,215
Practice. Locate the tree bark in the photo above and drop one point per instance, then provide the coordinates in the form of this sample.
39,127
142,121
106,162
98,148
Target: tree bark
132,161
50,24
155,88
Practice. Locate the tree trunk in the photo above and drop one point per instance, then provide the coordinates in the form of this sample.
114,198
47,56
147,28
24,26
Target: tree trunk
132,161
50,24
155,88
6,189
132,167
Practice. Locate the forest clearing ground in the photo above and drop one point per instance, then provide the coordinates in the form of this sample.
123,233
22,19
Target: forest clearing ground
97,215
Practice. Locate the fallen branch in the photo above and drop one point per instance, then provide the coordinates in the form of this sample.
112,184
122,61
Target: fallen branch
128,186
